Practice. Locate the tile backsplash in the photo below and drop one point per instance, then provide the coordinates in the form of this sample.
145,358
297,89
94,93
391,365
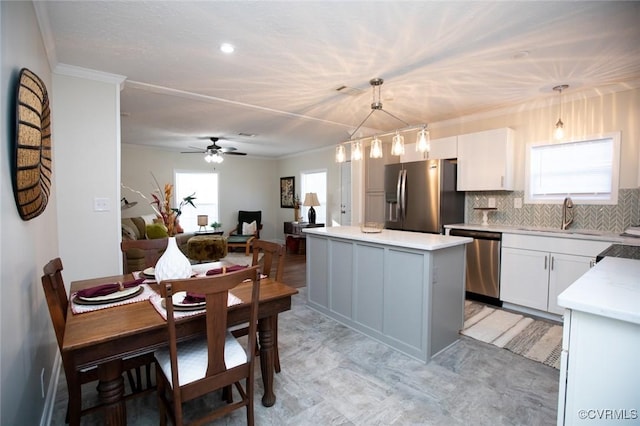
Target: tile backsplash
613,218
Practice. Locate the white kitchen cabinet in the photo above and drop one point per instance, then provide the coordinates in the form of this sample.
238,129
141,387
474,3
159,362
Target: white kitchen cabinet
410,154
443,148
485,160
535,270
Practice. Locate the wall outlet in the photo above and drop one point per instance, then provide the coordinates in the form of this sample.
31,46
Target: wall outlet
492,202
517,203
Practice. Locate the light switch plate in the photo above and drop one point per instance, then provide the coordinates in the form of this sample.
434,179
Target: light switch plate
492,202
101,204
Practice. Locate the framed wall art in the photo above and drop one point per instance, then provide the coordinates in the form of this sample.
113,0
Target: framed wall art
287,191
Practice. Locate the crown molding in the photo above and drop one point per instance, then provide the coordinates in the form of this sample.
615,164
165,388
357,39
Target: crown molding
89,74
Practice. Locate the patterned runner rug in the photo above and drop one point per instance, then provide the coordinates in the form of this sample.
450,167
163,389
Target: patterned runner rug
534,339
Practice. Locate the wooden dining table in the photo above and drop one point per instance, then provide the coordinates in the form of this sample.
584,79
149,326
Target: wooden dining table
103,337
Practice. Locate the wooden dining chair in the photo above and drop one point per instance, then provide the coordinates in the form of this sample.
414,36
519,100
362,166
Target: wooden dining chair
58,303
272,254
140,254
192,368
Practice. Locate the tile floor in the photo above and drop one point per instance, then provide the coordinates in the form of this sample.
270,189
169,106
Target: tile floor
332,375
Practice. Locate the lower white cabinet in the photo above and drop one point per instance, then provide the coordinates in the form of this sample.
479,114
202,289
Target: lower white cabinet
535,279
535,270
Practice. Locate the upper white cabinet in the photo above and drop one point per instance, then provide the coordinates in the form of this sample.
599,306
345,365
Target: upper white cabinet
443,148
410,154
485,161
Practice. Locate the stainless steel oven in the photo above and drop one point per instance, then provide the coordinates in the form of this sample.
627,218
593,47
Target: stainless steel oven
482,265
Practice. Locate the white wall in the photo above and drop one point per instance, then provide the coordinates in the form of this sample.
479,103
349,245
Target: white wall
86,115
27,340
583,117
246,183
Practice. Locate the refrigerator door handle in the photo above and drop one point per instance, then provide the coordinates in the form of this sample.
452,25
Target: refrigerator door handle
403,199
399,195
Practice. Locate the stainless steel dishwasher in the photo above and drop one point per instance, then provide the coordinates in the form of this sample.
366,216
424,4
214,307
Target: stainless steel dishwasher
482,265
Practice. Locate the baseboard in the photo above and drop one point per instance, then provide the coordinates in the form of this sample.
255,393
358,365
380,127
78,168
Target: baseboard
50,398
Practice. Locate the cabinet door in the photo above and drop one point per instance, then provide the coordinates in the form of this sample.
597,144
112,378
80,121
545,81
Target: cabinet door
443,148
565,269
524,277
485,161
374,207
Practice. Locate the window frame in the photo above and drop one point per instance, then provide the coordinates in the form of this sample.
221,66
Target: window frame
176,199
558,198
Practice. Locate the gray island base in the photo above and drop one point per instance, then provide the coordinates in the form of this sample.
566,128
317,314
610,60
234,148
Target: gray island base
404,289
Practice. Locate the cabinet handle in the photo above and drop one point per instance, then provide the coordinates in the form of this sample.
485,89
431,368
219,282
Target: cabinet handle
545,263
552,262
502,183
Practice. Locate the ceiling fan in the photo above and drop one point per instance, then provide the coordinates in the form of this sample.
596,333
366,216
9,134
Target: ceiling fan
214,152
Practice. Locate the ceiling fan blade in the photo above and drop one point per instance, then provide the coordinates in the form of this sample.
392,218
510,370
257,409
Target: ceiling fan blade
193,152
235,153
227,149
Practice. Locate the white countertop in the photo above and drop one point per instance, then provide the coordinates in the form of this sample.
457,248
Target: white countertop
414,240
610,289
578,234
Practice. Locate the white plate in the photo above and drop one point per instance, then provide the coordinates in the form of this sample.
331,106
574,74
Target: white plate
118,295
150,272
179,297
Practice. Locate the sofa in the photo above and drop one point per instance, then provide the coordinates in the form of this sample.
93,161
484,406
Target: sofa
136,253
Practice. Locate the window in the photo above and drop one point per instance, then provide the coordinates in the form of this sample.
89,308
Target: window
315,182
205,186
586,171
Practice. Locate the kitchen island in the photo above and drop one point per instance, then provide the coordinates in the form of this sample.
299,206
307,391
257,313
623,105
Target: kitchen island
599,371
404,289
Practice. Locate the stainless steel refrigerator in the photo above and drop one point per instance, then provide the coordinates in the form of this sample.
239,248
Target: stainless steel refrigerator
421,196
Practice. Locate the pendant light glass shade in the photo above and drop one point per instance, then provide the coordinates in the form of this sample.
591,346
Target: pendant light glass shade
423,140
356,150
340,154
558,133
376,148
397,144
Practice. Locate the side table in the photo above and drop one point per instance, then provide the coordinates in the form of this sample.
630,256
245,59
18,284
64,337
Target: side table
295,238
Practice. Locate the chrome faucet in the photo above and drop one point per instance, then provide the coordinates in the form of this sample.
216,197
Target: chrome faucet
567,206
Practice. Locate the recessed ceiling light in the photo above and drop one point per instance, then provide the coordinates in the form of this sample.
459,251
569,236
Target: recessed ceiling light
227,48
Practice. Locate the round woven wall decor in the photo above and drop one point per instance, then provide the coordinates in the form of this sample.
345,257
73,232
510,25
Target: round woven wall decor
33,162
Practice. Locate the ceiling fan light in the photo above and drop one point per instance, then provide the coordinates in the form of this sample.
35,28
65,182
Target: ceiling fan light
423,141
376,148
356,151
340,154
397,144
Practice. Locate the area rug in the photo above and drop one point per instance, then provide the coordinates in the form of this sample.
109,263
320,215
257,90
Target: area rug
534,339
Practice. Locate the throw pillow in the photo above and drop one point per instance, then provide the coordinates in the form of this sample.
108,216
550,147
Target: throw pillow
249,228
157,230
128,232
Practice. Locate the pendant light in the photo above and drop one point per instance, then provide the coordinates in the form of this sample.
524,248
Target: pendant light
356,151
376,148
423,140
340,154
397,144
558,134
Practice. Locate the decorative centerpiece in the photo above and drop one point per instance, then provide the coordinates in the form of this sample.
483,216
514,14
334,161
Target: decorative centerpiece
296,208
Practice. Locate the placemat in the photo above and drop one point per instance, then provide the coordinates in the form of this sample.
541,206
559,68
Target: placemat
147,292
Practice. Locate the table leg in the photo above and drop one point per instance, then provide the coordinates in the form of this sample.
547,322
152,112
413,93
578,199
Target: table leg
111,392
265,328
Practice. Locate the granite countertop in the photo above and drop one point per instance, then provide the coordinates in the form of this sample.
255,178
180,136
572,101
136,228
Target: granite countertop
579,234
610,289
414,240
